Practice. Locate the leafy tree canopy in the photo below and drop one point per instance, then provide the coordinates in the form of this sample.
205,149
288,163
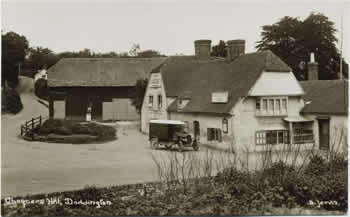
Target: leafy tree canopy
149,53
219,50
14,48
40,58
293,40
140,89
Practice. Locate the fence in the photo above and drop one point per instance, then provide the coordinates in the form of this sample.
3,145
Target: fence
30,125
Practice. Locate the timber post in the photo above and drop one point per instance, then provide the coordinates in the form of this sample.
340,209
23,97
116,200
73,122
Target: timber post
51,109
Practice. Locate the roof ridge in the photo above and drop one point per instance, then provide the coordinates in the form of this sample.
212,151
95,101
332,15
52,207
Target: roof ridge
111,58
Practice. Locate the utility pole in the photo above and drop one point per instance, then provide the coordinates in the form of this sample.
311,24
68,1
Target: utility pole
341,49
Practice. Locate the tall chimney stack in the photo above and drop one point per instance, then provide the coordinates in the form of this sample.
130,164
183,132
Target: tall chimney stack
202,49
235,48
312,68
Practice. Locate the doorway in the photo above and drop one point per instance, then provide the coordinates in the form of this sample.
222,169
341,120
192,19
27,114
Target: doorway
323,133
196,130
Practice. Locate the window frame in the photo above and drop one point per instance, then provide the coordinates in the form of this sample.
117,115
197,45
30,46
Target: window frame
160,101
272,106
300,132
214,134
150,101
261,137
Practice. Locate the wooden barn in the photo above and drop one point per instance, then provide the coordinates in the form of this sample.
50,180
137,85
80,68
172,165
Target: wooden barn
96,88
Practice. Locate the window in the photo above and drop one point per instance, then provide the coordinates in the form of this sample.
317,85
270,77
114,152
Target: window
150,101
258,104
160,101
214,134
264,104
272,137
224,125
278,105
271,106
179,103
284,104
302,133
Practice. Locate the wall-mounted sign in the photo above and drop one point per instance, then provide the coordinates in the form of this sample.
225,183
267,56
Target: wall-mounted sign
219,97
155,81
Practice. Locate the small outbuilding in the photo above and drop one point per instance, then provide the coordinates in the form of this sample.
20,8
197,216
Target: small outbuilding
96,88
326,102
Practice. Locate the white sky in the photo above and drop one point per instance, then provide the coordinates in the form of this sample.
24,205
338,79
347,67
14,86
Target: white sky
167,26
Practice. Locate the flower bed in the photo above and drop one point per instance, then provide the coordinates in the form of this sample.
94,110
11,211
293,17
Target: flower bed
66,131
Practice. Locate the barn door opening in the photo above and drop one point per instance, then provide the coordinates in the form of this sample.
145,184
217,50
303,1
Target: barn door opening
323,127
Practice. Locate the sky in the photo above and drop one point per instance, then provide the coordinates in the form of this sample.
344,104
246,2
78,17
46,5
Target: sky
168,26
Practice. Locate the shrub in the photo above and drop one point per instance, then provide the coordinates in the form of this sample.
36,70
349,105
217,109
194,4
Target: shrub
316,166
338,163
323,182
101,131
57,126
11,101
67,127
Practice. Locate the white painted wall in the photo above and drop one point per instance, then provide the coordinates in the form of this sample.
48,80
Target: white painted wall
155,87
205,121
338,131
276,84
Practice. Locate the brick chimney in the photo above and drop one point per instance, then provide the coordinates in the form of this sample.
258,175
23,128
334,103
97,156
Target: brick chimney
312,68
202,48
235,48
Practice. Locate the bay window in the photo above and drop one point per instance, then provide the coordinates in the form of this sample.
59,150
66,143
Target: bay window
302,133
272,137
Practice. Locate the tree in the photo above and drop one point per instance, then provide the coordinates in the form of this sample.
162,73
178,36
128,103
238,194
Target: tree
135,49
219,50
293,40
11,101
149,53
40,58
14,49
41,89
140,89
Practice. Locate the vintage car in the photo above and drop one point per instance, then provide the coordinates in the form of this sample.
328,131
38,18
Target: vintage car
169,134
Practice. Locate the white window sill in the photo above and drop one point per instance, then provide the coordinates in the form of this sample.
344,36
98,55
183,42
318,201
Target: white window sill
260,114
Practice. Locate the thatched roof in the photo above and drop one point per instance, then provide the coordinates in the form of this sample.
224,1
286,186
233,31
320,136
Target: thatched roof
100,72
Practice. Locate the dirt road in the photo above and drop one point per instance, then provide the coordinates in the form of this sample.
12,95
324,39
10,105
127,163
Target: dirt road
38,167
34,167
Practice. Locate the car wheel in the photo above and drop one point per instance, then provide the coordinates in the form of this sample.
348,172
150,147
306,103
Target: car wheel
195,147
168,145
